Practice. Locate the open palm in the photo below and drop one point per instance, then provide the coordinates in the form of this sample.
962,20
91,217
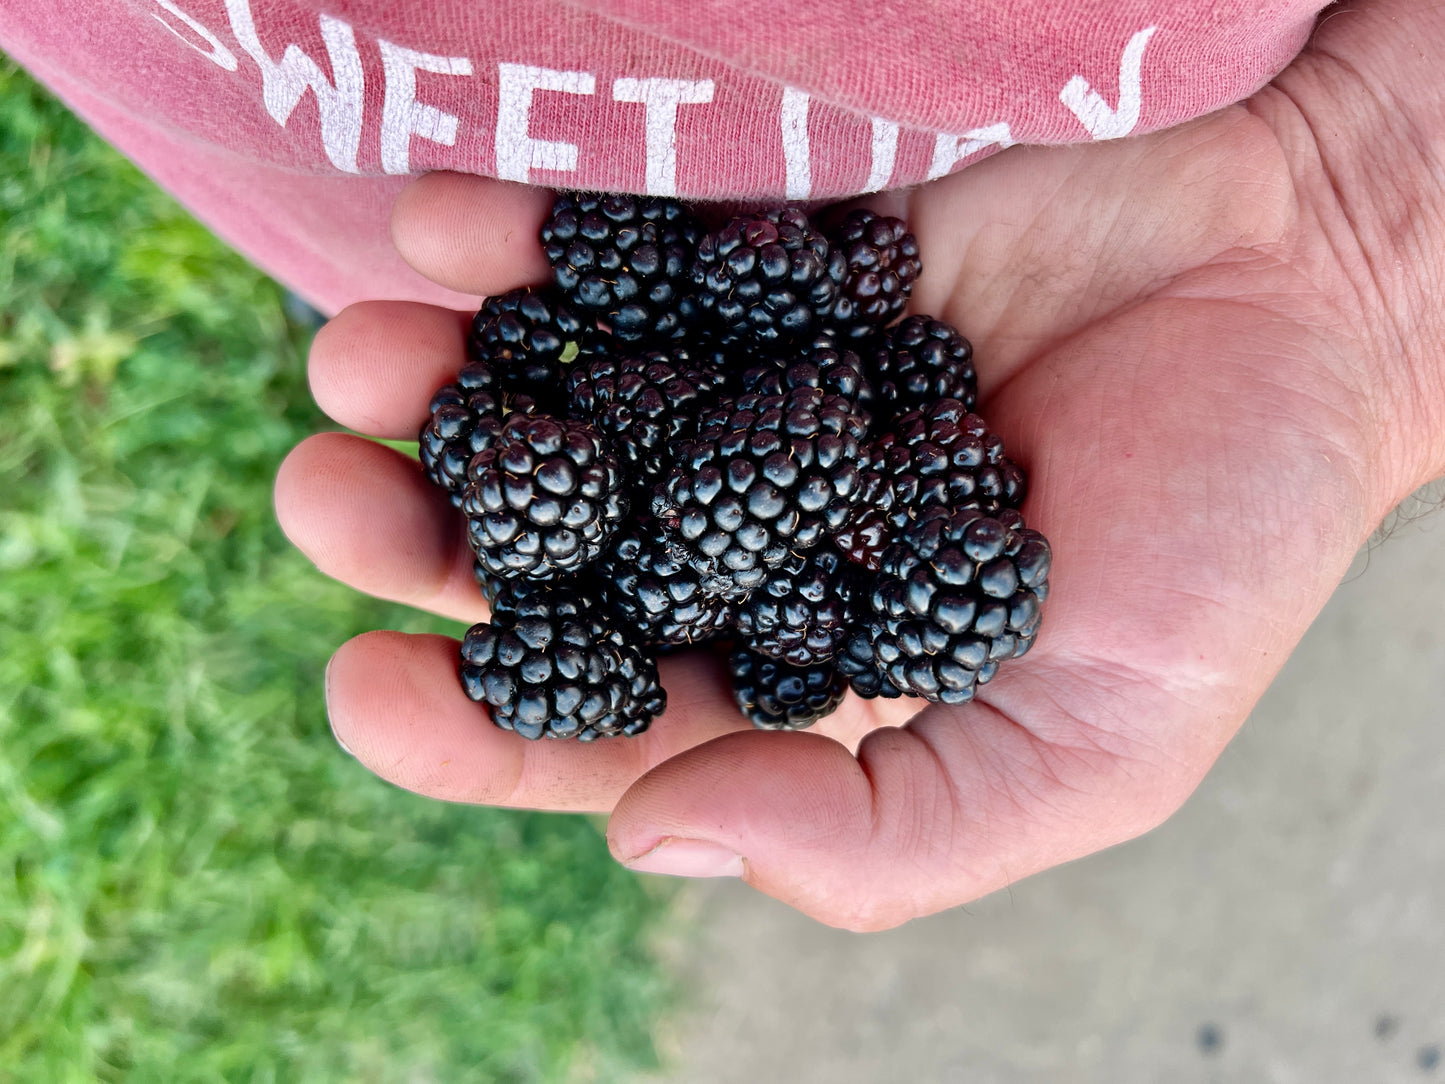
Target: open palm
1201,346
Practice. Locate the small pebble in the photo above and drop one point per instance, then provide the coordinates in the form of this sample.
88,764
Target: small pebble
1210,1039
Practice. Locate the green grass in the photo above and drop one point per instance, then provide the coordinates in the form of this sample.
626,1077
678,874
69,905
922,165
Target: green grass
197,883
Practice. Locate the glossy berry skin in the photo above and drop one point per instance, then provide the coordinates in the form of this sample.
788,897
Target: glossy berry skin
883,264
941,455
766,476
543,498
825,363
657,595
522,336
768,278
957,594
624,259
775,696
551,664
919,361
861,668
640,401
802,612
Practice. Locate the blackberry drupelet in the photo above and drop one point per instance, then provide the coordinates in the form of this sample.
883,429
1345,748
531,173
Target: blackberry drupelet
551,664
639,402
957,594
490,586
543,498
864,673
920,360
776,696
655,593
939,455
883,264
523,335
769,278
766,475
625,259
802,611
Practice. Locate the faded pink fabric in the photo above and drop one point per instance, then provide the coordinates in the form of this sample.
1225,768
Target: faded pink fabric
288,126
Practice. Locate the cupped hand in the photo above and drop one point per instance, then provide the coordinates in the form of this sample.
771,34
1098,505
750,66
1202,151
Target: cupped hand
1211,349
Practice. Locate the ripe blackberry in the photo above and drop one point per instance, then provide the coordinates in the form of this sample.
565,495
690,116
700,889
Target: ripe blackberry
776,696
825,363
802,611
523,335
920,360
625,259
639,402
466,417
769,278
543,498
657,594
938,455
767,475
957,594
883,264
551,664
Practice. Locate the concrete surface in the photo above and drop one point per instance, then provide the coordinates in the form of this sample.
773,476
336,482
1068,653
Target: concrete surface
1288,925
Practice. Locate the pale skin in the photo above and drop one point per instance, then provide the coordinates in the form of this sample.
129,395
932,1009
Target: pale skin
1218,352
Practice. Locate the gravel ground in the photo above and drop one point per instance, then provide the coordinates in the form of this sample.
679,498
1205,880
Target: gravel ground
1288,924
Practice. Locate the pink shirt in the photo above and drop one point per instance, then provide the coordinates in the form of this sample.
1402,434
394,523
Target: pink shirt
288,126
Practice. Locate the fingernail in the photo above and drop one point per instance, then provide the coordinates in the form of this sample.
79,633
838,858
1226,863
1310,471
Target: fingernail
688,858
326,687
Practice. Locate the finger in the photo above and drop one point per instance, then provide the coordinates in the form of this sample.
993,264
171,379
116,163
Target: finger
366,515
396,703
472,234
956,805
376,365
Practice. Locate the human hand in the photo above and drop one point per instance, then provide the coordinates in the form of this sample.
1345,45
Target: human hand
1212,348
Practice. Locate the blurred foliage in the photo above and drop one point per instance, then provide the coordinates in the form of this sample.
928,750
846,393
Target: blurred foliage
199,885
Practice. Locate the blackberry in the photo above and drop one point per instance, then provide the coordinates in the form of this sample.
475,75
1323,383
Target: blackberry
767,475
640,401
834,367
883,264
523,336
466,417
543,498
802,611
957,594
776,696
625,259
920,360
938,455
769,278
657,594
551,664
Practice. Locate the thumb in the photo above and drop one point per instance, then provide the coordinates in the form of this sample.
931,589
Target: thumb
960,802
864,843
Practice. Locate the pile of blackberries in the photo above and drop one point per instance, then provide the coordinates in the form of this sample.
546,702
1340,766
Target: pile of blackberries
727,436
